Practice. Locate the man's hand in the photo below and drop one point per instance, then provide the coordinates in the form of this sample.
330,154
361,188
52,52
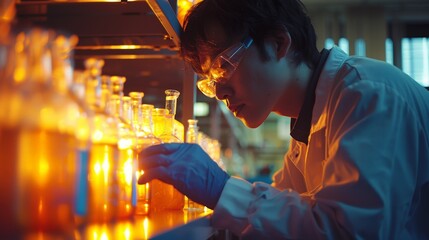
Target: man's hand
188,168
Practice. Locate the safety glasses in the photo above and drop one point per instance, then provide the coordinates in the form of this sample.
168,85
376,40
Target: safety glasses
223,66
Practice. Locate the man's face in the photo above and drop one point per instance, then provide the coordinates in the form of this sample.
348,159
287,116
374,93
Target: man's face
256,86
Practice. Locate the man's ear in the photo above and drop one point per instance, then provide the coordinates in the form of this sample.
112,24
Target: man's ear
284,43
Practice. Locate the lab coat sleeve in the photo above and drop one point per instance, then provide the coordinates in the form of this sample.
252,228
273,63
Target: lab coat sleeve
368,177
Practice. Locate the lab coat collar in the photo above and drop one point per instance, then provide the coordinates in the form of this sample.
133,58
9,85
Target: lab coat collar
300,127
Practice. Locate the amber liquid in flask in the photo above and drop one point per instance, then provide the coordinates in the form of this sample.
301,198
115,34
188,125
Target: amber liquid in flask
145,138
164,196
45,166
103,188
127,140
38,145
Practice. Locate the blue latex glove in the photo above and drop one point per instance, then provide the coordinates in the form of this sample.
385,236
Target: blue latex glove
188,168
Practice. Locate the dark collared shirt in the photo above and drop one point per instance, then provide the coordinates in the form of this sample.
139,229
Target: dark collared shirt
300,127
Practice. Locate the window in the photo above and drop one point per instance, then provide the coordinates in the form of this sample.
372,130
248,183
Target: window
343,43
389,51
360,47
415,59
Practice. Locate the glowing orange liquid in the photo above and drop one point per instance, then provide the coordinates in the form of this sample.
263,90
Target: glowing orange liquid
125,181
37,181
165,197
102,183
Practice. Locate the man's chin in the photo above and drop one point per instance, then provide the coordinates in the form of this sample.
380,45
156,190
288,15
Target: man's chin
249,123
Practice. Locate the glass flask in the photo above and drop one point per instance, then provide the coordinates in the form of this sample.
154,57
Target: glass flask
136,117
127,110
103,184
192,137
192,131
127,141
78,85
171,97
62,75
146,138
38,144
164,196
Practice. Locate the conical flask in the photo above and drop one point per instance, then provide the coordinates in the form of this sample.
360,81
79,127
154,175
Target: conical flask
38,144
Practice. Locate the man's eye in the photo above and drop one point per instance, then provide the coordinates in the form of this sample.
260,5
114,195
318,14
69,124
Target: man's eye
212,83
217,73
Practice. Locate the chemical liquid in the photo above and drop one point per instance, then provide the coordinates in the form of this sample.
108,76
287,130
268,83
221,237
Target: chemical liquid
165,197
143,197
125,183
38,181
103,183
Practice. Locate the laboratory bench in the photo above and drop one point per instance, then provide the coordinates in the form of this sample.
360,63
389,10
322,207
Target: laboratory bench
168,224
171,224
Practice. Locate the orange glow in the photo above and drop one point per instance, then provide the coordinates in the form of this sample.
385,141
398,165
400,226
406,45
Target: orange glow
146,228
40,206
183,7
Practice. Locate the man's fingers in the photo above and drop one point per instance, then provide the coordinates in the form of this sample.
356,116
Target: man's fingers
165,148
160,173
154,161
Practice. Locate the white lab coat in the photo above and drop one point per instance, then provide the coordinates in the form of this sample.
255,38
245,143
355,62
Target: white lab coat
364,173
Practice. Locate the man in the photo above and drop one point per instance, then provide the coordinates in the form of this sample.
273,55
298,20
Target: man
358,164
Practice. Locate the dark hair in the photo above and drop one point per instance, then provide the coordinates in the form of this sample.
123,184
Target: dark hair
258,18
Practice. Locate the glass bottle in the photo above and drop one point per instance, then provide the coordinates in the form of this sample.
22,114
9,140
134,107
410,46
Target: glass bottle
136,117
163,126
104,152
38,144
171,97
192,137
192,131
127,110
126,143
165,196
62,75
78,86
143,140
146,139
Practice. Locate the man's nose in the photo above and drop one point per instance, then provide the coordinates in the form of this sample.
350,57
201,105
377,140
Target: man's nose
223,91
